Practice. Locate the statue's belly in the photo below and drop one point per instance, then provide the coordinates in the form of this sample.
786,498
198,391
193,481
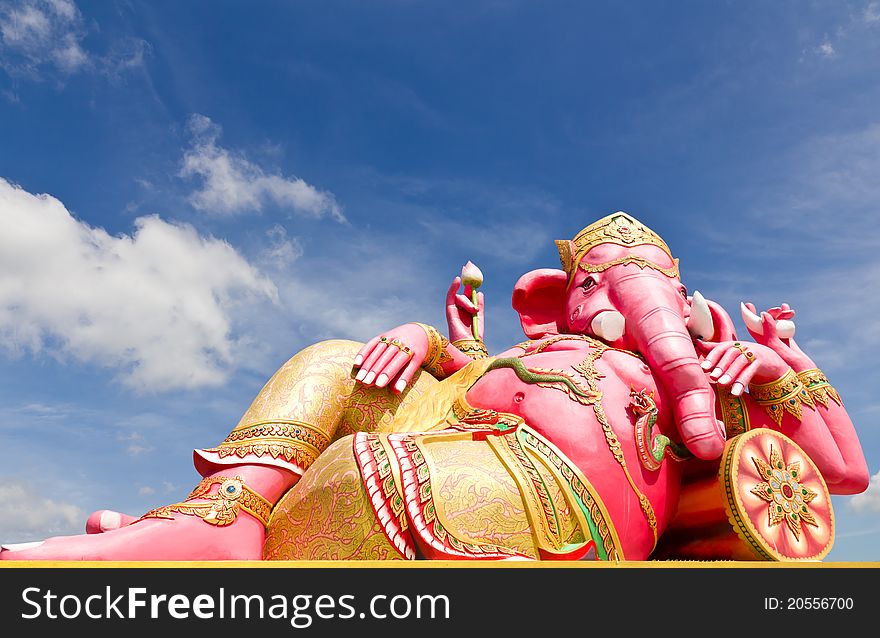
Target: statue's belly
586,431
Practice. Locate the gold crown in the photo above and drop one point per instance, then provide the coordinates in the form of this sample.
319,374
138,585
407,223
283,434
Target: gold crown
618,228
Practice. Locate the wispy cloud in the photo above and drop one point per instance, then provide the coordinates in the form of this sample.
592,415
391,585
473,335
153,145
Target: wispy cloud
45,38
231,183
135,443
158,305
871,14
826,49
26,514
869,500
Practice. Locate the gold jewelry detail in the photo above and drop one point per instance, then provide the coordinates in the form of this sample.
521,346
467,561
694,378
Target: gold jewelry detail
437,354
295,441
384,340
641,262
745,352
232,497
734,413
786,394
818,387
474,348
620,229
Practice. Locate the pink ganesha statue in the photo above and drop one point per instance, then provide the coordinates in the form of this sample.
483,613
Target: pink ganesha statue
633,424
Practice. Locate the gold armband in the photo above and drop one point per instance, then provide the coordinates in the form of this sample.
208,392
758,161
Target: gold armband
474,348
817,386
437,354
733,412
224,506
786,393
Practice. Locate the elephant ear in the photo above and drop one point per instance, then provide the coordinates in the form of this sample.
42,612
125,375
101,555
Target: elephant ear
539,299
724,328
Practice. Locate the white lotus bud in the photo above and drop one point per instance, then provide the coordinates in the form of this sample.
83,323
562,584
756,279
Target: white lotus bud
471,275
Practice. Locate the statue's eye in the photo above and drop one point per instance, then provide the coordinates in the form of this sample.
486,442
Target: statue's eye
588,283
684,292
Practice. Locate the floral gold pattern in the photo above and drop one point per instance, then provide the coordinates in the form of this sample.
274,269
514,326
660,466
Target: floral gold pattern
733,412
786,394
817,386
437,354
787,498
223,507
473,348
327,515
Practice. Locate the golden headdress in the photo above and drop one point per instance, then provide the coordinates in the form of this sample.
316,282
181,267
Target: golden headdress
618,228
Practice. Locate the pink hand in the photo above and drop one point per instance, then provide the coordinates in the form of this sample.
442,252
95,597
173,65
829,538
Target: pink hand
395,354
460,311
738,363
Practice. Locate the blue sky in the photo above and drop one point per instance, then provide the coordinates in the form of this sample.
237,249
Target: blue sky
193,191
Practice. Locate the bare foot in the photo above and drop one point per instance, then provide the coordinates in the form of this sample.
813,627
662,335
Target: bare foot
107,520
180,536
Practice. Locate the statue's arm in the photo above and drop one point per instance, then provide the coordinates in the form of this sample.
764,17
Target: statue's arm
850,473
787,392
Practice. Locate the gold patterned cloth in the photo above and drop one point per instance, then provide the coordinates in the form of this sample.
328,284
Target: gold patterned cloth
308,403
485,486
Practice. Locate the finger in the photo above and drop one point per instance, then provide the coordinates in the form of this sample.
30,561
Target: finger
363,352
368,364
743,379
733,369
466,304
407,375
724,362
376,369
392,368
751,307
769,324
468,291
481,302
453,290
714,355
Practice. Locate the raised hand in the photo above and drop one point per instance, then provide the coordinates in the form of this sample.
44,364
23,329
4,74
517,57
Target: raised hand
775,329
393,356
461,311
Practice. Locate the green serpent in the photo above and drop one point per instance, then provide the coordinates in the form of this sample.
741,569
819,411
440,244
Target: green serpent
532,377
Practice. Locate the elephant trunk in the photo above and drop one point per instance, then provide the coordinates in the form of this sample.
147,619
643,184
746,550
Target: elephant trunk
655,324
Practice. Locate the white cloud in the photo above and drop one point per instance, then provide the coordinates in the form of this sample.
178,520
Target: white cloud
233,184
136,445
159,305
872,13
826,49
146,490
869,500
27,515
46,38
282,250
36,34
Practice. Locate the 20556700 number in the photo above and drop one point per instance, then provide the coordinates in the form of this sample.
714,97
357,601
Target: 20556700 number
817,602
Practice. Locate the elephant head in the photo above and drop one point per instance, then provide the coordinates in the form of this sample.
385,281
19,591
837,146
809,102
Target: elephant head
620,283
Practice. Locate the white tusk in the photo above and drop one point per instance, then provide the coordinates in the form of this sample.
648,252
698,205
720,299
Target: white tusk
753,321
700,323
608,325
17,547
784,327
